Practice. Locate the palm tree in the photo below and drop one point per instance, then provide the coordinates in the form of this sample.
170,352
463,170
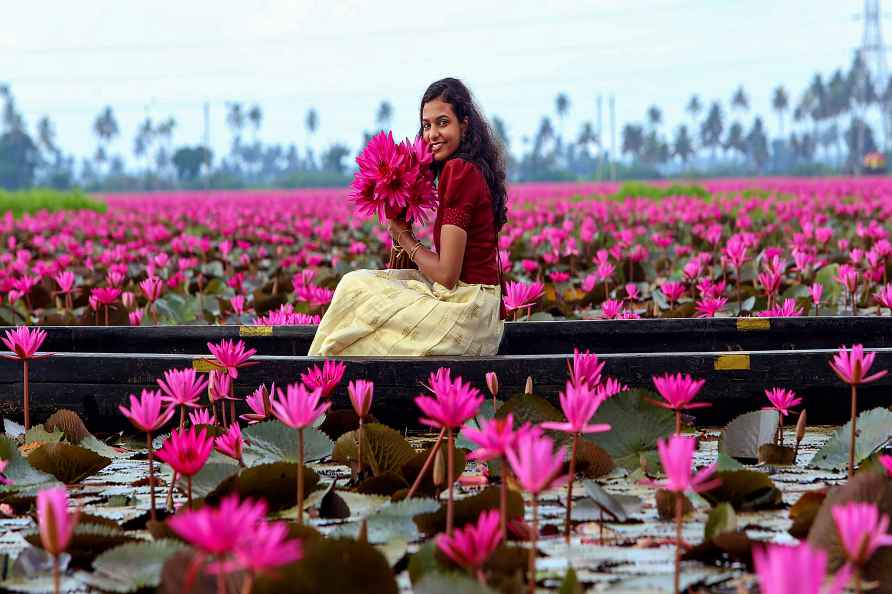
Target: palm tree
654,116
633,139
46,138
711,129
384,115
780,102
562,106
683,147
105,127
255,116
735,141
312,122
740,100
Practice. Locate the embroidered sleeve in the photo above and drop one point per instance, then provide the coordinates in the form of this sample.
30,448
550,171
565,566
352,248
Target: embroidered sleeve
460,192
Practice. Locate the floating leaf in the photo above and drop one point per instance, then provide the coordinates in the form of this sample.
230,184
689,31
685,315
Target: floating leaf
384,484
804,512
88,541
529,408
636,423
19,470
592,461
103,449
332,506
726,462
12,429
69,423
411,469
384,449
39,434
721,519
394,520
874,429
276,483
41,584
666,504
770,453
724,549
442,582
469,509
209,478
273,441
863,487
485,413
619,507
339,422
745,490
338,566
570,584
68,463
131,566
742,437
179,576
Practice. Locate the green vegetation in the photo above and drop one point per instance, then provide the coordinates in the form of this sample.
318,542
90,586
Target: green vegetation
31,201
644,190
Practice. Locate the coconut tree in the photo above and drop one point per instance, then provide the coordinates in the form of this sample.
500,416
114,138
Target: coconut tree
780,102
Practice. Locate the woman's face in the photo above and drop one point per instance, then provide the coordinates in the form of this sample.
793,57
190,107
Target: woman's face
441,129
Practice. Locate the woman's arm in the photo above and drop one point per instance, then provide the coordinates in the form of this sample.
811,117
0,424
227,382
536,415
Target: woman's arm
443,268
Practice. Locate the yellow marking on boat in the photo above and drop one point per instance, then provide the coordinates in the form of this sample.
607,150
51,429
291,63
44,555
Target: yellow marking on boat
732,363
204,365
747,324
255,330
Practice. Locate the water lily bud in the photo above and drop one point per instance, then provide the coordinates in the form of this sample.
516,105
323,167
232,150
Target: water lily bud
492,382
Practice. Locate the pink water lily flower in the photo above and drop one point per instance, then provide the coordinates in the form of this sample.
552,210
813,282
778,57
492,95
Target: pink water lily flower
535,462
24,342
454,402
783,569
186,451
182,387
585,368
54,522
218,530
782,400
263,548
146,412
862,530
298,407
473,544
579,404
232,355
259,403
678,390
521,295
231,443
886,461
361,393
493,438
853,365
325,378
201,416
677,456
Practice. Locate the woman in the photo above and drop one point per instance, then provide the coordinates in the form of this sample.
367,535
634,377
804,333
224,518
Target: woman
450,305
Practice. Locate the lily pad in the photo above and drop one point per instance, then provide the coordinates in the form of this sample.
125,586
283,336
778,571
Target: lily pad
69,423
469,509
384,449
333,505
131,566
19,470
12,429
745,490
273,441
68,463
619,507
724,549
39,434
88,541
742,437
529,408
721,519
209,478
324,563
411,469
666,502
804,512
770,453
485,413
874,429
276,483
637,424
393,521
441,582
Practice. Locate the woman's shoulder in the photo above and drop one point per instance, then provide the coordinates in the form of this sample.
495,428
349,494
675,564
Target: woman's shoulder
460,168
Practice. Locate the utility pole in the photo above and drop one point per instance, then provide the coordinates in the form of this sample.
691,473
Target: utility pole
206,137
873,54
612,107
600,133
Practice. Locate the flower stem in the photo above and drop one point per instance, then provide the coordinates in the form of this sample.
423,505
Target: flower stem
679,511
152,514
300,477
780,431
360,434
854,431
503,501
858,587
427,463
678,421
189,491
570,489
26,394
56,575
450,476
533,537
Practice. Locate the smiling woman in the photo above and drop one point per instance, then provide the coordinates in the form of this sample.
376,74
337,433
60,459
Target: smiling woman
450,304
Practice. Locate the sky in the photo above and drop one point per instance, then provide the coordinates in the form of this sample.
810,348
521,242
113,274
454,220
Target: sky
343,57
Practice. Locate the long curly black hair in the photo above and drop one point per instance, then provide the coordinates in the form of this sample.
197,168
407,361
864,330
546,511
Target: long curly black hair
478,144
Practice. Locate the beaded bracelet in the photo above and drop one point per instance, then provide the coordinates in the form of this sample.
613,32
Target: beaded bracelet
414,250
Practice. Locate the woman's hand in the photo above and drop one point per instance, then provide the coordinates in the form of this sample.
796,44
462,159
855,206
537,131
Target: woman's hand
397,225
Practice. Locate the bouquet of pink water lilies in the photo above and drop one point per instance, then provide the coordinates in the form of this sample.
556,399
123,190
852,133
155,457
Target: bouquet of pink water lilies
393,178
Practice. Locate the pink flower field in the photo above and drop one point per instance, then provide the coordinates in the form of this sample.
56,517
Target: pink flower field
776,247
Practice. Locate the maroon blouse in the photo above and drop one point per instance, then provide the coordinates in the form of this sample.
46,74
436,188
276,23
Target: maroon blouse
465,202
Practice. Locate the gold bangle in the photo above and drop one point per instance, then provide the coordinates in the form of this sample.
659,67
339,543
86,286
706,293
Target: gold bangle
414,250
400,234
